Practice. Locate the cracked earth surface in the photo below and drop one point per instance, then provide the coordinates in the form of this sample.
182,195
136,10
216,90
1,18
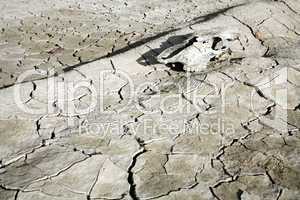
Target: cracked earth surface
230,131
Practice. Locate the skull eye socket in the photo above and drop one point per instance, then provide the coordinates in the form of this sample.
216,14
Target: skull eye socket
217,43
176,66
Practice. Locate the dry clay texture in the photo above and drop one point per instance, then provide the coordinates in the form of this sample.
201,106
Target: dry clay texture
157,131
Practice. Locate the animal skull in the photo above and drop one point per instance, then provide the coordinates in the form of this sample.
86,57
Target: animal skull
197,52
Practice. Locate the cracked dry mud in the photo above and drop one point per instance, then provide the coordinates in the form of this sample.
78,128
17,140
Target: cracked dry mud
222,127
